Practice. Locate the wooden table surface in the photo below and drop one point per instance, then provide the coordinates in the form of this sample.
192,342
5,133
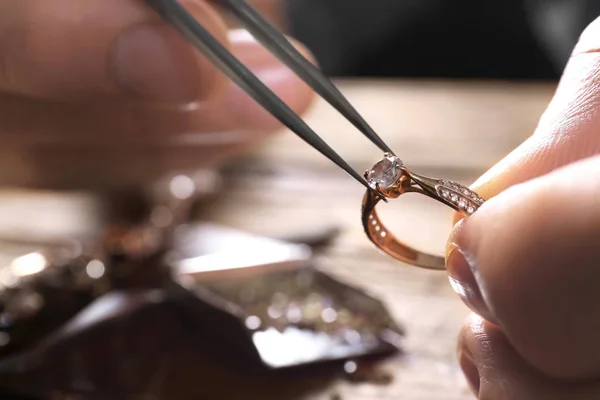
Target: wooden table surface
439,129
451,130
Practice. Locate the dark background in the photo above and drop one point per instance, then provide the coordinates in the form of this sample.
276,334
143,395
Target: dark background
507,39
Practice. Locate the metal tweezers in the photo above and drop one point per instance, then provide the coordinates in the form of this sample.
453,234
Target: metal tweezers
273,40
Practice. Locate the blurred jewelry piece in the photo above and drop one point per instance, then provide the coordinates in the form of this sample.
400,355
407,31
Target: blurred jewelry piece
47,286
390,178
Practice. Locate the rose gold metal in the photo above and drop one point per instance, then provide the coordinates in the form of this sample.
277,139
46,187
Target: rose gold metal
458,197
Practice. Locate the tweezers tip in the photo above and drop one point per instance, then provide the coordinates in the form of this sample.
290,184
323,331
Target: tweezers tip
376,193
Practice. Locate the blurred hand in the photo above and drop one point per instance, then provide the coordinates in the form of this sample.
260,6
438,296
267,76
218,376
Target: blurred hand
100,93
528,262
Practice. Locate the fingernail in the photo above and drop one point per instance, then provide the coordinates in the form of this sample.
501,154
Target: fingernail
152,62
462,278
469,368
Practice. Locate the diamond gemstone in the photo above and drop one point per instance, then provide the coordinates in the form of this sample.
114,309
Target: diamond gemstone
385,172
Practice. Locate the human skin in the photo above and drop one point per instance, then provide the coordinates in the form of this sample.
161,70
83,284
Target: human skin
527,262
102,93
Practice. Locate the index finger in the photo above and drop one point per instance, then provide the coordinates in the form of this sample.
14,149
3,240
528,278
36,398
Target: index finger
569,129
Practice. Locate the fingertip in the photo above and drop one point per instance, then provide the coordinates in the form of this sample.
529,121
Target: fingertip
101,50
463,281
588,40
153,62
534,263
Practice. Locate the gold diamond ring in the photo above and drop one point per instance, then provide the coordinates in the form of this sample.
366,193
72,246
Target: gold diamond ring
390,178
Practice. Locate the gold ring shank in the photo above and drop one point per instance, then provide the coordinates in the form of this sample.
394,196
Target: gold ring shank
388,243
456,196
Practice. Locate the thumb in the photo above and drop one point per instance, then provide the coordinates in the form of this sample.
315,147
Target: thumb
73,49
527,260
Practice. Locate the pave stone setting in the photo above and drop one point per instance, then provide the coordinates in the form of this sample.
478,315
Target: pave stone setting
385,172
461,196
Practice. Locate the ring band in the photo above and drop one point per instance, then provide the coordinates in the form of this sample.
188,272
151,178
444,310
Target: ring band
390,179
